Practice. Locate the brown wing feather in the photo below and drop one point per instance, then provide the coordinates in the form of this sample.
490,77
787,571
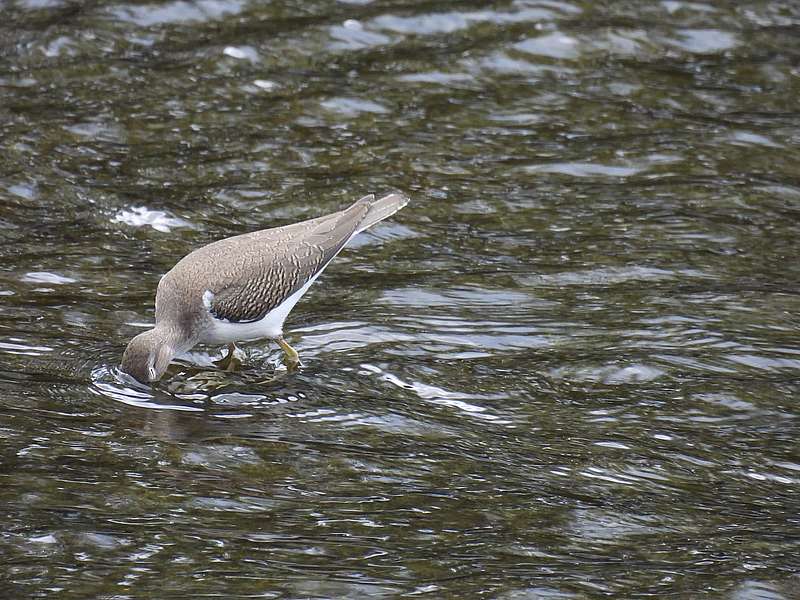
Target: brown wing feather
297,252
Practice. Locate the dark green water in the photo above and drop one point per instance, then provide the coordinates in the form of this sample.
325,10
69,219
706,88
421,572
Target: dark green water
568,370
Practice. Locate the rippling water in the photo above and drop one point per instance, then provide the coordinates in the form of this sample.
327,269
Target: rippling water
568,369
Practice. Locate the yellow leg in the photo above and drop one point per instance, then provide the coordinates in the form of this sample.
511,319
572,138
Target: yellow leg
229,362
290,356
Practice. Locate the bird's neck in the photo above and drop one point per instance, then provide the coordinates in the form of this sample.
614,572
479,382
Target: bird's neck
172,336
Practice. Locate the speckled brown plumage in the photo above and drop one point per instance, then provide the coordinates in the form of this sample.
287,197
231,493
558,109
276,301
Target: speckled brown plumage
297,253
251,274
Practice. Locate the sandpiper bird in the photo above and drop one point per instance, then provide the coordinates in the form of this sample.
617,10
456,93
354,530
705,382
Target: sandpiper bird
243,287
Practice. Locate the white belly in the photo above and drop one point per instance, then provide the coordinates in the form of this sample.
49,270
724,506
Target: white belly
271,326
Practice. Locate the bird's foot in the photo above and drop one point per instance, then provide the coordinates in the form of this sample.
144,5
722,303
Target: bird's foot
290,356
230,362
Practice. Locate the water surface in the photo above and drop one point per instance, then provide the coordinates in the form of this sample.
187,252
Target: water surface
568,370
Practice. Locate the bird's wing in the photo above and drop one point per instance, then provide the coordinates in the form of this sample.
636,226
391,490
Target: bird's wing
260,281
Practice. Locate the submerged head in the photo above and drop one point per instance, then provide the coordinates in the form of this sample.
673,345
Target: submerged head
147,356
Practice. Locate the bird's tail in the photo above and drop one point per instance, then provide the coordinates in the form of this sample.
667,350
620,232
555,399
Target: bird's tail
381,208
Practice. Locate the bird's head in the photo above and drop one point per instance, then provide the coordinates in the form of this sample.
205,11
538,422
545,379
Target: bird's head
147,356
